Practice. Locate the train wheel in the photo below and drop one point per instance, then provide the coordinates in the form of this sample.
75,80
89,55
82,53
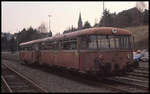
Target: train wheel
22,62
130,69
39,63
26,62
107,69
136,64
116,70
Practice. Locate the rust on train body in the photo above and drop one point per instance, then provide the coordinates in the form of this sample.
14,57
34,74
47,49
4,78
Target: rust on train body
105,50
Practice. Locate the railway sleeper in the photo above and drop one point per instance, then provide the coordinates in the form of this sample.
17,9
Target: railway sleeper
126,82
137,77
25,90
135,74
19,86
15,83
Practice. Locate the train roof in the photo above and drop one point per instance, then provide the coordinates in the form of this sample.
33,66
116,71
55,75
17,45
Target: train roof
89,31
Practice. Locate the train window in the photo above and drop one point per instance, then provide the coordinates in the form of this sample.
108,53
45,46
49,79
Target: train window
121,42
124,42
92,44
29,48
65,44
60,44
47,45
70,44
117,42
56,44
99,41
130,40
22,48
104,42
35,47
26,48
112,41
50,45
42,46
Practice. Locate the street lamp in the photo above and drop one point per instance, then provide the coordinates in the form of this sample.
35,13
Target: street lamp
49,21
103,13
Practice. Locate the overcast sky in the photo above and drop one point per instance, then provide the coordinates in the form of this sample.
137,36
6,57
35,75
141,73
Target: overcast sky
19,15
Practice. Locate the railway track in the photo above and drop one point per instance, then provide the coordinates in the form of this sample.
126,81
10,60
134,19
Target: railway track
137,77
15,82
140,84
138,74
143,68
141,72
130,88
4,86
111,85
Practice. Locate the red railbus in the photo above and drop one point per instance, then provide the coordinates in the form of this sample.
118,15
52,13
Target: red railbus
100,51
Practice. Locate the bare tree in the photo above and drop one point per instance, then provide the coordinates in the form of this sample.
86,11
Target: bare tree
42,28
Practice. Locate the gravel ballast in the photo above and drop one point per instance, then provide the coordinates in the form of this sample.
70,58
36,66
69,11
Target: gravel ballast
51,82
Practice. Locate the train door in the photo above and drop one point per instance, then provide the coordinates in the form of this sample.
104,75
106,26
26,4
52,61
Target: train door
85,57
35,53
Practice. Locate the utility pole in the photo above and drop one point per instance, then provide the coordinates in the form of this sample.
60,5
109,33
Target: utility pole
16,37
49,22
103,13
17,43
103,6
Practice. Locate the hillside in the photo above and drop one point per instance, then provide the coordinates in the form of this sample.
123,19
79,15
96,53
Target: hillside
141,36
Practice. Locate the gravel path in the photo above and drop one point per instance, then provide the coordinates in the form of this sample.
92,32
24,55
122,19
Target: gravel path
51,82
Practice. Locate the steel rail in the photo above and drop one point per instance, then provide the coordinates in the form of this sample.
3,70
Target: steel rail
114,88
142,68
27,79
139,75
136,85
6,84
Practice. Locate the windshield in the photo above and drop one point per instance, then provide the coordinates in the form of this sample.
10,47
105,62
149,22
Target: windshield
108,42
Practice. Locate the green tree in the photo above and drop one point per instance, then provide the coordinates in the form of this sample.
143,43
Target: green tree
106,19
12,45
87,25
145,16
4,42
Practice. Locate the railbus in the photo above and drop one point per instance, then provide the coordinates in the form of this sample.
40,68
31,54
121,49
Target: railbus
100,50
